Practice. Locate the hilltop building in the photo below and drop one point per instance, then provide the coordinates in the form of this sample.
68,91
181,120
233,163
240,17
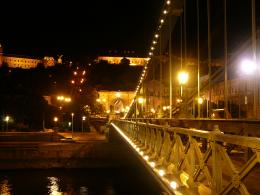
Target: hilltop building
25,62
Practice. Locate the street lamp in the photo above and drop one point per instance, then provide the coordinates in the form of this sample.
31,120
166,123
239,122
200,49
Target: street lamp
183,79
141,102
7,118
55,119
249,67
83,119
72,115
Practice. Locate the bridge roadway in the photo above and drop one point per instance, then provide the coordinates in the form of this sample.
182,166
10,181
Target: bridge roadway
192,161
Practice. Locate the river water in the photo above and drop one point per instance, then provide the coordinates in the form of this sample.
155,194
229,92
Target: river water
115,181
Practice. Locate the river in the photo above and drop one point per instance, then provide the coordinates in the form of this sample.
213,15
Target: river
104,181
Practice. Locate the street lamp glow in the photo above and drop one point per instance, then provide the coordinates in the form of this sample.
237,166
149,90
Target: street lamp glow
67,99
161,172
156,35
173,185
248,66
162,20
168,2
165,11
7,118
55,119
183,77
83,118
140,100
200,100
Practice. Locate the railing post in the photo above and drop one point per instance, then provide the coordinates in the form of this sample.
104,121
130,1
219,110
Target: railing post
216,163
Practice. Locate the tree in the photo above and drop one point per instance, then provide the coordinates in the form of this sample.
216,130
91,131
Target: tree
125,61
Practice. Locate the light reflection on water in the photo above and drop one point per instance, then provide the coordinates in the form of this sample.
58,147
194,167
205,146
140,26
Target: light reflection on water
82,182
5,187
53,186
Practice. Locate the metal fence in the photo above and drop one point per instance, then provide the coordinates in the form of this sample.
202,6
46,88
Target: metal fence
205,162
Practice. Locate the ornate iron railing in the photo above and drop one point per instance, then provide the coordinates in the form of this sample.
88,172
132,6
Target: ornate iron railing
191,160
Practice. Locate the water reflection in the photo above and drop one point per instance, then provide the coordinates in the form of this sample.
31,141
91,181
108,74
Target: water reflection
5,187
53,186
77,182
83,190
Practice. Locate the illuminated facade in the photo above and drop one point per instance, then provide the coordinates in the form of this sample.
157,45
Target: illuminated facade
117,60
115,101
14,61
20,62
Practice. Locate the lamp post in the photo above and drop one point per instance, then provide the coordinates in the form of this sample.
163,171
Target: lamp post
83,119
183,79
200,102
72,115
7,118
249,67
141,101
55,119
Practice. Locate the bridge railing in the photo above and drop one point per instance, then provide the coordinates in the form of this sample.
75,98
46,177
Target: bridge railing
209,162
230,126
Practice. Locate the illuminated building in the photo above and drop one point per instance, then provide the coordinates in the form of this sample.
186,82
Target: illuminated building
25,62
116,60
115,101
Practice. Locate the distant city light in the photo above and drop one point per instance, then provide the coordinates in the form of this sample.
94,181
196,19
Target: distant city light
7,118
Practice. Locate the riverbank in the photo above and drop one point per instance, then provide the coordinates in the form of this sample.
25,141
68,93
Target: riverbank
85,150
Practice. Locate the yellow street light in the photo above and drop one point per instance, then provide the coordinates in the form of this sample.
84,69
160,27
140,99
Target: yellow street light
140,100
7,118
67,99
200,100
55,119
183,77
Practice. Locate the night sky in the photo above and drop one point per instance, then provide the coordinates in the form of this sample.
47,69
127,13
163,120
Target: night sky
79,29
